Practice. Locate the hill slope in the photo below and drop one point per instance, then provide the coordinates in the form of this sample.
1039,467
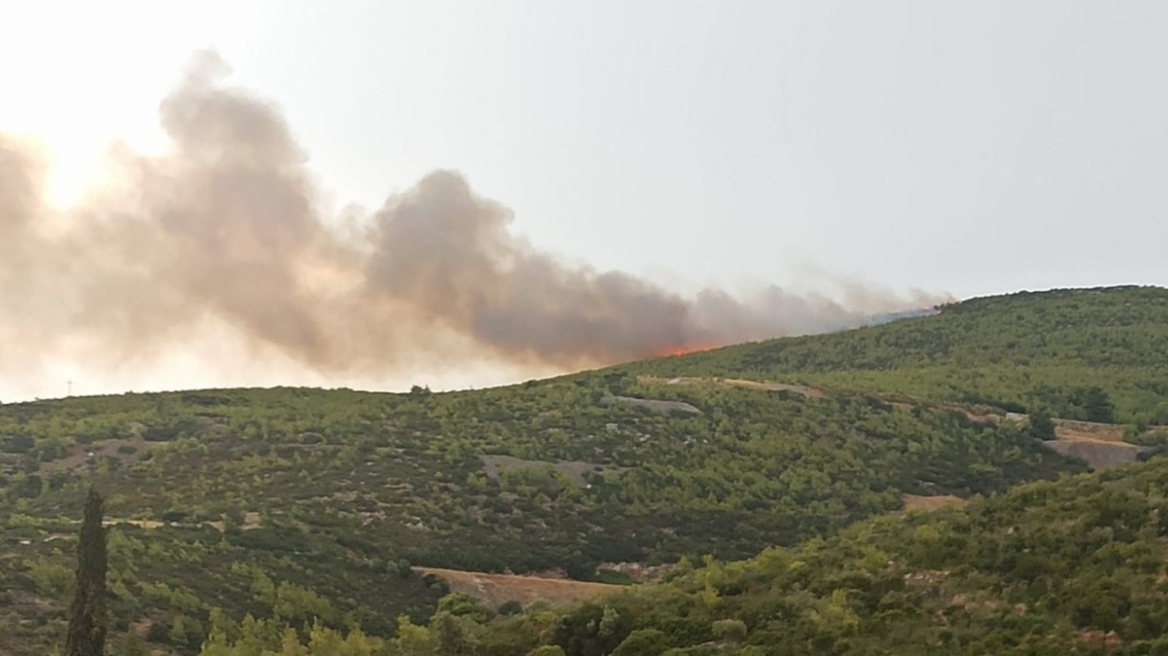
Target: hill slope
1076,566
331,498
375,479
1026,350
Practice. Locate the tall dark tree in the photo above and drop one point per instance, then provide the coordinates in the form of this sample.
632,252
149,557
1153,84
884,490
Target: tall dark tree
87,625
1041,425
1098,405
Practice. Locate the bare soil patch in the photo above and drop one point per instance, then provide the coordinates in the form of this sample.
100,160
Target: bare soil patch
918,502
656,405
494,590
576,470
1097,453
1099,445
79,454
251,520
1085,431
809,392
149,524
768,386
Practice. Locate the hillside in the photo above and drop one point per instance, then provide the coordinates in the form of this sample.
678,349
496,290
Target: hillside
1021,351
1077,566
292,504
343,489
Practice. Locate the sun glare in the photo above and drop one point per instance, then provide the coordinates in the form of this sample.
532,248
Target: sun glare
75,166
68,177
69,168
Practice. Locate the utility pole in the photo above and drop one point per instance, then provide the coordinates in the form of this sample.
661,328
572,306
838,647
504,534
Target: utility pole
70,392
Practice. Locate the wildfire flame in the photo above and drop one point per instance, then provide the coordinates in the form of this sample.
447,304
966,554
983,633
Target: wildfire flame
670,351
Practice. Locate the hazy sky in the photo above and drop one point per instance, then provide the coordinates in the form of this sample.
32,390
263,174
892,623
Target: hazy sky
969,148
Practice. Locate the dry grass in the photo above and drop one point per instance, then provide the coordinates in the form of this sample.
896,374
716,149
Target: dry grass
495,590
917,502
1085,431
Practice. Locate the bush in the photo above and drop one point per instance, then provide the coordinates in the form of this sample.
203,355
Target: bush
643,642
1159,415
404,569
461,605
17,444
614,577
510,608
730,630
158,632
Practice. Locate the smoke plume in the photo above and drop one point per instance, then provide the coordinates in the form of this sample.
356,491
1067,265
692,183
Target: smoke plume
225,232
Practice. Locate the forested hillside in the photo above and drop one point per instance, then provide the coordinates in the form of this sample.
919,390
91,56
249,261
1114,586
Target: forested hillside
301,494
301,505
1077,566
1055,350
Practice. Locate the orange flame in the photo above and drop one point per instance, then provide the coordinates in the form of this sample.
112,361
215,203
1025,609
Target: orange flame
670,351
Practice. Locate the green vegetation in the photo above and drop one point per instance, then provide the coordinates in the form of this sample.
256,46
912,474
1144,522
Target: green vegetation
329,496
1094,354
1041,426
1076,566
242,514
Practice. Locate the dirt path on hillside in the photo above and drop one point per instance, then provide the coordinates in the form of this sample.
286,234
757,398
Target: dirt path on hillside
809,392
1069,430
251,521
1099,445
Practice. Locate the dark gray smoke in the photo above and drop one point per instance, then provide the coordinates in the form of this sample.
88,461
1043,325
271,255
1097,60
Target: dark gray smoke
228,227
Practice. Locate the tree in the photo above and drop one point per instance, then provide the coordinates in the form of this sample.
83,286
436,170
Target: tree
733,630
643,642
510,608
1159,415
413,640
87,624
453,639
1041,426
1097,404
461,605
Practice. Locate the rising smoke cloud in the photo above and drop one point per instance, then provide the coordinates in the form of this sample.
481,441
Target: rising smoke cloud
227,228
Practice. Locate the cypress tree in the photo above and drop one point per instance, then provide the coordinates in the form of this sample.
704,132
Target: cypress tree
87,624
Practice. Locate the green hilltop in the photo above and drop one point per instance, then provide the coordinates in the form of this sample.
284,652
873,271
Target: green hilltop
1024,350
299,505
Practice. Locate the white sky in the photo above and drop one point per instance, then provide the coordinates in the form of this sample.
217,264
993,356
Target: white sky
970,148
973,148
